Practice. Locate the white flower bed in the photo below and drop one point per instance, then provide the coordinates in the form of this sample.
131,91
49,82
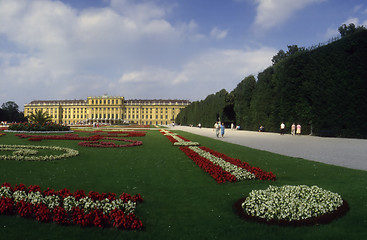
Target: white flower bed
186,143
239,173
180,141
291,203
27,153
68,203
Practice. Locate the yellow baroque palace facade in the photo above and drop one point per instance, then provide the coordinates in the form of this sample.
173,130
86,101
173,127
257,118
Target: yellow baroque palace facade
109,110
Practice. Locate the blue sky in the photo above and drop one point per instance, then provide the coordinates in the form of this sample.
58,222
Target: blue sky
158,49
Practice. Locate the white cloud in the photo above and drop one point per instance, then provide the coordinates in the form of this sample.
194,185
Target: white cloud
124,49
271,13
218,33
202,75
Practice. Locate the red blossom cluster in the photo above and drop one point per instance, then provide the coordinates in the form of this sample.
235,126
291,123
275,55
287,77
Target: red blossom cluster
91,141
110,144
216,171
117,133
259,173
116,218
172,140
213,170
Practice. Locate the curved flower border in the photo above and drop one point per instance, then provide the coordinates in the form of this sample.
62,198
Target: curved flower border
68,152
292,205
91,141
63,207
133,143
221,167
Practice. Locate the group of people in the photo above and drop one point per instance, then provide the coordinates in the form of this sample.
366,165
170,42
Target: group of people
219,129
295,130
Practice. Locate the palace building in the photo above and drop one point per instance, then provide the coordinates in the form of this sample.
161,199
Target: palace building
109,110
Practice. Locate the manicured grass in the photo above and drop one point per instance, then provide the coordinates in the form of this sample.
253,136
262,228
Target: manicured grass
180,200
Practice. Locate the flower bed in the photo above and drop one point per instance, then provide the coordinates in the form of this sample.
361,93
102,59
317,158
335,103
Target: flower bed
116,133
221,167
91,141
111,144
213,170
258,172
63,207
178,140
292,205
2,134
49,126
28,152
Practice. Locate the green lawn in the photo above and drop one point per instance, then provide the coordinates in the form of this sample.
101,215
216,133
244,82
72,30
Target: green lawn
181,201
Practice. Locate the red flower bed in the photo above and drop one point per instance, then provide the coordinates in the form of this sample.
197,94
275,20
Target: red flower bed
259,173
95,217
219,174
91,141
213,170
110,144
117,133
172,140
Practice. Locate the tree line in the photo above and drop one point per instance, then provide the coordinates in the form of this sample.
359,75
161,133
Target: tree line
9,112
323,89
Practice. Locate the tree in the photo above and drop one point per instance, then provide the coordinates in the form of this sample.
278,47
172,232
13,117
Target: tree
39,117
10,112
242,100
345,30
280,55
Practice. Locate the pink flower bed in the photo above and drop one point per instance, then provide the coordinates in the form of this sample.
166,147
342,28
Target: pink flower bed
34,206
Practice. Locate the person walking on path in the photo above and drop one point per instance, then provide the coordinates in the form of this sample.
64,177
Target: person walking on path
282,128
299,129
217,128
293,129
222,130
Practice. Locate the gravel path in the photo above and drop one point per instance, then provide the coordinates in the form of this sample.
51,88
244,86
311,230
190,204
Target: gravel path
345,152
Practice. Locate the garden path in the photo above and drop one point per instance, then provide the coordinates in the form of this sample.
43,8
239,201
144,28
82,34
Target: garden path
345,152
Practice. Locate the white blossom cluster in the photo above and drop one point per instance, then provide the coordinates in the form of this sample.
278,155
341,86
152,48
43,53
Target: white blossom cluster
239,173
27,152
180,141
68,203
24,151
291,202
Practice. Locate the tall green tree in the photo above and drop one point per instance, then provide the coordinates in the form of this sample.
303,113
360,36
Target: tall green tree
10,112
39,117
242,101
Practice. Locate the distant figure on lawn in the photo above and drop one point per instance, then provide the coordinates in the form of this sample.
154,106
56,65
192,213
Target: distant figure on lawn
282,128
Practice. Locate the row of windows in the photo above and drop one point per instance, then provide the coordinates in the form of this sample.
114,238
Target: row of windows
104,101
104,116
147,117
77,116
100,109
